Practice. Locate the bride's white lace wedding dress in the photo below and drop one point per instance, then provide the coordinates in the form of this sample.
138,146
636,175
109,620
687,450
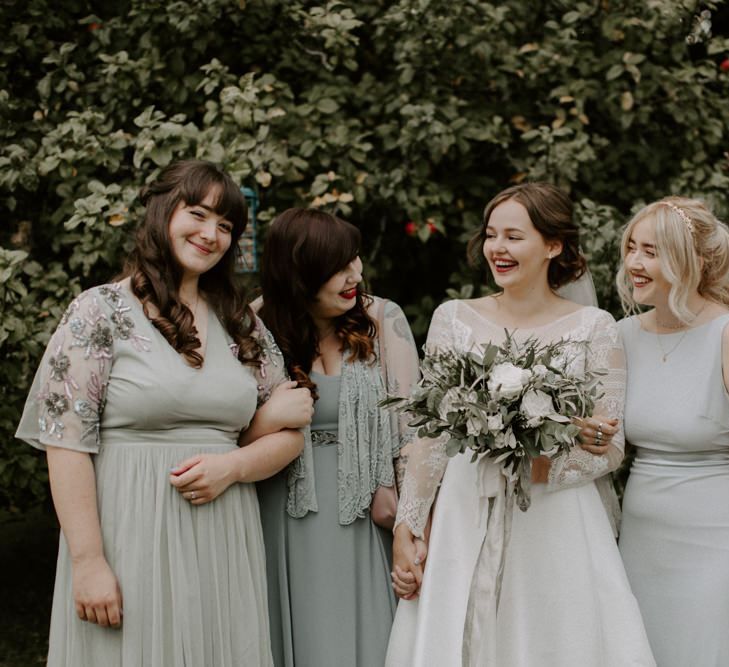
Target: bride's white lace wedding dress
506,588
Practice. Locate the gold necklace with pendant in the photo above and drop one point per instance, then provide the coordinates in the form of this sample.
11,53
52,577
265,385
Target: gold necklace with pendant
664,354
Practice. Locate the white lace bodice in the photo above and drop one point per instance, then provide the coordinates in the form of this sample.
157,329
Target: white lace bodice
456,325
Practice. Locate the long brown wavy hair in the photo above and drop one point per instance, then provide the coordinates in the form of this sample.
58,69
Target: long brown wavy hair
156,275
304,248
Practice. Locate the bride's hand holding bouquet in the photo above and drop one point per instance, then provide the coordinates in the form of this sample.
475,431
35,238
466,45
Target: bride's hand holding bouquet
511,403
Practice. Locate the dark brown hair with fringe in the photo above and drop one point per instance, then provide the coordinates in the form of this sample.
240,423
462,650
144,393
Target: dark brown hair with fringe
156,275
304,248
551,213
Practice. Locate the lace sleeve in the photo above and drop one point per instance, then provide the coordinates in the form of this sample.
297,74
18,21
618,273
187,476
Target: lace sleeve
66,400
605,353
428,458
400,371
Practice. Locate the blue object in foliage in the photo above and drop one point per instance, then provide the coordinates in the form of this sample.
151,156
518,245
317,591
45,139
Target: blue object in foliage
248,257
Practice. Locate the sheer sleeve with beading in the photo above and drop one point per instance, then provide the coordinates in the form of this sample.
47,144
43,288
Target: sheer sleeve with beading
271,371
66,401
605,353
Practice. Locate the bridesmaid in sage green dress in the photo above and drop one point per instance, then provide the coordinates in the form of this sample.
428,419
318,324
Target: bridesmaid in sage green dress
675,532
139,402
328,560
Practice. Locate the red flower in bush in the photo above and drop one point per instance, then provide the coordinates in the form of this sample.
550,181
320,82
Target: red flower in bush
724,65
411,229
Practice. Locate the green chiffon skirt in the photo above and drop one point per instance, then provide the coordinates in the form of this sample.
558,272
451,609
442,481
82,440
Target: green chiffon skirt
330,599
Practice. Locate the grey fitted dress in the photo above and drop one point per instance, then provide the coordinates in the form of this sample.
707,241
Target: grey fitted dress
192,578
330,600
675,532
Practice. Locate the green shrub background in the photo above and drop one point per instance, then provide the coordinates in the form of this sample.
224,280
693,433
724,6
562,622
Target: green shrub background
384,112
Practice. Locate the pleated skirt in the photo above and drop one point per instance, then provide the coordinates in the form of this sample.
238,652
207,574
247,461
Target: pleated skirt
192,577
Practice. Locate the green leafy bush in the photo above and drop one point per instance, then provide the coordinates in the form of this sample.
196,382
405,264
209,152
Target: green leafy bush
412,111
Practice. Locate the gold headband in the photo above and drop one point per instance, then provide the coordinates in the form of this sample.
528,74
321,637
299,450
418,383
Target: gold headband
682,215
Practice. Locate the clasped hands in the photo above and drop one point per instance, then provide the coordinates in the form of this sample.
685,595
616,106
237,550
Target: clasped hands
408,562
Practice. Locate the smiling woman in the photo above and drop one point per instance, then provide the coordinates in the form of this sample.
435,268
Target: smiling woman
323,519
501,586
199,236
675,535
514,249
141,401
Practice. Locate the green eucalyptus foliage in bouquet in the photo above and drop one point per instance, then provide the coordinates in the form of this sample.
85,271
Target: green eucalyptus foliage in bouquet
511,402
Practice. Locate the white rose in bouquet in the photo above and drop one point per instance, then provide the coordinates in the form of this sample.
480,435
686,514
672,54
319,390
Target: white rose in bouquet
495,422
507,380
540,371
535,406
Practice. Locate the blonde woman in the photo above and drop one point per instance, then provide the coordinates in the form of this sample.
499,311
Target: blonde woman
675,535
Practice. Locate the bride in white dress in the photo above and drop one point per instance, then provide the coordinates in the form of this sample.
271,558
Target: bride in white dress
502,587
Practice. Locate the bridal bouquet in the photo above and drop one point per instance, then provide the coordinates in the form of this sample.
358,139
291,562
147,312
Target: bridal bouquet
512,403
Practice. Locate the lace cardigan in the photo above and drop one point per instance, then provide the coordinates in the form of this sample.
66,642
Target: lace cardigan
370,437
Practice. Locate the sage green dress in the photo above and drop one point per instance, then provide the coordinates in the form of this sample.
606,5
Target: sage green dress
192,577
675,531
330,599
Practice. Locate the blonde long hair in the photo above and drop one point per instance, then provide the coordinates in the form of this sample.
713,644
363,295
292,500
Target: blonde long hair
692,247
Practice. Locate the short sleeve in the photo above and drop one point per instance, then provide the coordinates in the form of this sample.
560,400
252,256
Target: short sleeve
272,370
66,399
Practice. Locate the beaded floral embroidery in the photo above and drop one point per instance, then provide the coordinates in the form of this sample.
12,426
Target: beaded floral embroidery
92,329
271,356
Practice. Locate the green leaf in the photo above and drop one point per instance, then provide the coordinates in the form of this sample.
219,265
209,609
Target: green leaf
614,72
327,105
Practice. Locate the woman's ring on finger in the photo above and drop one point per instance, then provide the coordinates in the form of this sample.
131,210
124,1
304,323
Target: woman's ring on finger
192,495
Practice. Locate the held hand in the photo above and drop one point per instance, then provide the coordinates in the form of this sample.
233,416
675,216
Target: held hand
408,556
597,433
96,592
404,583
288,407
202,478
